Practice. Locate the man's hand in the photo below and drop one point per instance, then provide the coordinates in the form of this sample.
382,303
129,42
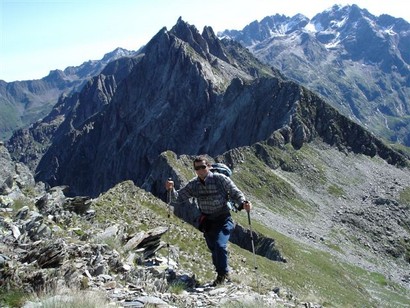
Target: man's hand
169,185
247,206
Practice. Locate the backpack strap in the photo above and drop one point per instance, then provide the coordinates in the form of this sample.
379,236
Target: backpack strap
229,203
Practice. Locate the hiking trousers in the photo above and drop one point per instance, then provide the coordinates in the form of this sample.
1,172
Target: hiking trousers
217,237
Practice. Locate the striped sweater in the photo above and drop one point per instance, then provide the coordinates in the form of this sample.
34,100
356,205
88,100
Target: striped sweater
212,194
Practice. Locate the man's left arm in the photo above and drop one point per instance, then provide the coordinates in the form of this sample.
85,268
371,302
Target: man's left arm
236,195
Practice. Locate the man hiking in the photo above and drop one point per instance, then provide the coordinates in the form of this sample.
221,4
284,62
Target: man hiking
212,191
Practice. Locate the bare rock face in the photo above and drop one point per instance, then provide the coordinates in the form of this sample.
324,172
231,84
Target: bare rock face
14,177
28,145
51,254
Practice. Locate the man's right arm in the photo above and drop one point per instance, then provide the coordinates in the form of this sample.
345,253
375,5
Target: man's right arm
182,194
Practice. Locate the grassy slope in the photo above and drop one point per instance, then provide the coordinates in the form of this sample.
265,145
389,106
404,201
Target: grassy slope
9,119
313,273
310,274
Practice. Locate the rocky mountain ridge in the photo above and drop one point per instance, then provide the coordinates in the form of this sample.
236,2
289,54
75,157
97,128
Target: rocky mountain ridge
29,144
25,102
358,62
179,87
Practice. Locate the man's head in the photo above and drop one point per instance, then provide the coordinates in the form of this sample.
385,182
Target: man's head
201,166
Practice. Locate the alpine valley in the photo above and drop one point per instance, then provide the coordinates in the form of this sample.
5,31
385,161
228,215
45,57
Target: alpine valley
303,116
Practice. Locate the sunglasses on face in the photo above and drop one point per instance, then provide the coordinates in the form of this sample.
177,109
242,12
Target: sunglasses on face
200,167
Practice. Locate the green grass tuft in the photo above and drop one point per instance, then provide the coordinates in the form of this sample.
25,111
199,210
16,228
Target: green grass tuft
12,298
405,196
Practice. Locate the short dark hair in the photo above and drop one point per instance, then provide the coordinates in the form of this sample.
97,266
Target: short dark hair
201,158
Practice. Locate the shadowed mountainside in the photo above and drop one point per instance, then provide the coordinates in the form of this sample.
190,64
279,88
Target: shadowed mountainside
189,93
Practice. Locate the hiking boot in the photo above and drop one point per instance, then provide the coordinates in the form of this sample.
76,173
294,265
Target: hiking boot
221,279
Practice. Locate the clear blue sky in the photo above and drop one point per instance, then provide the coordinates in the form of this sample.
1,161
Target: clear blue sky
37,36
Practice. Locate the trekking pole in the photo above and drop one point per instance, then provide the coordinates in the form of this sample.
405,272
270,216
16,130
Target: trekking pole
169,197
253,248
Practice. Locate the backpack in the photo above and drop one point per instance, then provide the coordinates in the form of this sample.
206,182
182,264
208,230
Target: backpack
225,170
221,168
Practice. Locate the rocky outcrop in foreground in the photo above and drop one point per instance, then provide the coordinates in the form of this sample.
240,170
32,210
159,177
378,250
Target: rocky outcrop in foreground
61,244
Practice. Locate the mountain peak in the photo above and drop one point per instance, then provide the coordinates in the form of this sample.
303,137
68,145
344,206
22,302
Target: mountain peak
55,76
182,28
116,53
191,35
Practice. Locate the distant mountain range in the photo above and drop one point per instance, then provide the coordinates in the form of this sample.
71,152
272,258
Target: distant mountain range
25,102
358,62
185,92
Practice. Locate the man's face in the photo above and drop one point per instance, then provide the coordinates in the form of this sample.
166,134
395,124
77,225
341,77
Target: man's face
201,169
